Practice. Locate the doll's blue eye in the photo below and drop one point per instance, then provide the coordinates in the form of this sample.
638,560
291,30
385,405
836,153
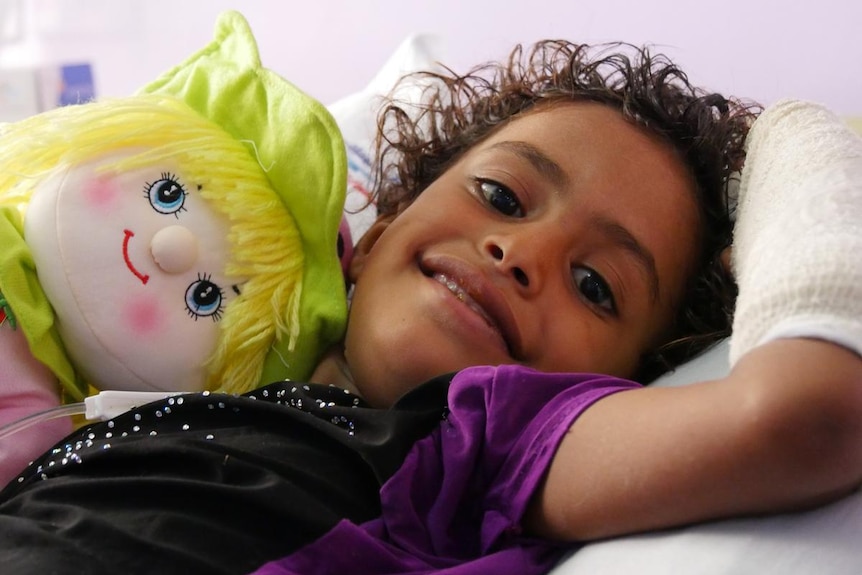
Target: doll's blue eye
204,299
166,194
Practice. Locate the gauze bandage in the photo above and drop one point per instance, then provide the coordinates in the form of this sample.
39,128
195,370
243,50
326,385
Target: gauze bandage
797,248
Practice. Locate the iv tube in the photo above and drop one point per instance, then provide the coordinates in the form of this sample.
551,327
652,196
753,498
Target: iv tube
38,417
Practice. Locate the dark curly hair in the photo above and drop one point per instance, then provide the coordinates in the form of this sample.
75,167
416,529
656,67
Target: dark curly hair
417,143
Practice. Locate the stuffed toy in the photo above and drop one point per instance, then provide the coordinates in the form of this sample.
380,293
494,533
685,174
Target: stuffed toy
181,239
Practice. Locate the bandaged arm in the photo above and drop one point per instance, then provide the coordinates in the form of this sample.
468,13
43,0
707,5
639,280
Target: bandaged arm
797,250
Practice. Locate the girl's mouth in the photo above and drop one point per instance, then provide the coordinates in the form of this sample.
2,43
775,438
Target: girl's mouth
478,294
129,234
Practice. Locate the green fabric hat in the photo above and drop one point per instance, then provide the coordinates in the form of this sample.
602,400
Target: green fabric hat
301,145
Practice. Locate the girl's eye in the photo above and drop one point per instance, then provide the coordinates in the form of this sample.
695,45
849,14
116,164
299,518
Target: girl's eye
204,299
166,194
594,288
501,198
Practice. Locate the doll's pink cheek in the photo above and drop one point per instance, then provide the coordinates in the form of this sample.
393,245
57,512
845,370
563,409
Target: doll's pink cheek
143,316
101,192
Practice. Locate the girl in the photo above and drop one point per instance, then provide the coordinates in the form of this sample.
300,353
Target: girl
560,220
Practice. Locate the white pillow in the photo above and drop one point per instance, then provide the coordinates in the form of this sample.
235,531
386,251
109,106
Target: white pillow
356,115
711,364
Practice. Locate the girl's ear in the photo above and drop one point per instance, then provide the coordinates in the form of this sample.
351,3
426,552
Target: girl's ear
365,244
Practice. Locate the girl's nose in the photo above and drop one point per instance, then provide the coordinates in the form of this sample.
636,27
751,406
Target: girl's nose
174,249
515,263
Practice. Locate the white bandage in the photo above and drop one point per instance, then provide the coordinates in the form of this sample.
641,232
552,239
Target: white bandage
797,248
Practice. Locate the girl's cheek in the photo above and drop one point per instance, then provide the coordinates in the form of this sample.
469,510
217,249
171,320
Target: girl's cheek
143,316
100,193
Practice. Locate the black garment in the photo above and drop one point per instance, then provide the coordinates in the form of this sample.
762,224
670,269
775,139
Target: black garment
202,484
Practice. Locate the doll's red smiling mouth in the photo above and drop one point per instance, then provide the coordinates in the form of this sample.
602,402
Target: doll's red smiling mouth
475,292
129,234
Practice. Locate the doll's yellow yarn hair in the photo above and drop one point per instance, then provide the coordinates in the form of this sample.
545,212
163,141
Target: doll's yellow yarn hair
265,242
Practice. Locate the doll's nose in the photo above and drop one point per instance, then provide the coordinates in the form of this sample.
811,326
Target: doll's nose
174,249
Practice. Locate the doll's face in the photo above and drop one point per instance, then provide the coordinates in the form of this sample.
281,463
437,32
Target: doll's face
134,265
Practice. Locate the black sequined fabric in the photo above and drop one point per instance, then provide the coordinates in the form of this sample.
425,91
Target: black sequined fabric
209,483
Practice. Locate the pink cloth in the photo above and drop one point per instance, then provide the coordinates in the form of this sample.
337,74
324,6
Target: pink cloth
26,387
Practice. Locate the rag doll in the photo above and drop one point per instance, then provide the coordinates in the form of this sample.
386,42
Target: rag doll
181,239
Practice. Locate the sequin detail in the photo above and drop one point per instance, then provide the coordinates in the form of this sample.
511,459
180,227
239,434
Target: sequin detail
178,414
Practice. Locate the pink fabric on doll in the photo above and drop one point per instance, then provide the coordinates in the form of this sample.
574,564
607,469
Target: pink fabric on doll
26,387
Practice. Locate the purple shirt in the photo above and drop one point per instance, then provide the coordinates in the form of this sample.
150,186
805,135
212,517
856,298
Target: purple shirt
455,505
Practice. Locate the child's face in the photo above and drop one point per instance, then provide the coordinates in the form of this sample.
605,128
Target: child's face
562,242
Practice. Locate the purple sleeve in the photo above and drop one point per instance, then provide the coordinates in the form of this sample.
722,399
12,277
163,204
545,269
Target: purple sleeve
478,472
456,503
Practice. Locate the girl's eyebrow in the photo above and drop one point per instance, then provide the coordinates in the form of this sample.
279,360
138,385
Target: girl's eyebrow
545,166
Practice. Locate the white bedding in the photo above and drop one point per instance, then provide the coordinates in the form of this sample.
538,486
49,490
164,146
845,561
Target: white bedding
824,541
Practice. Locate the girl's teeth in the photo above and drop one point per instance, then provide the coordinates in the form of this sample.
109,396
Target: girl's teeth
453,287
462,295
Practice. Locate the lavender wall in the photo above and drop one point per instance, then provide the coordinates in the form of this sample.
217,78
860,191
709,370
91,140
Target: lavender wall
762,49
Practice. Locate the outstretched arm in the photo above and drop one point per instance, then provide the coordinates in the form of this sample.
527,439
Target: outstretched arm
784,429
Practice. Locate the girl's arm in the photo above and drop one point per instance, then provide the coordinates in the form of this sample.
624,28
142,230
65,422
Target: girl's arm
784,429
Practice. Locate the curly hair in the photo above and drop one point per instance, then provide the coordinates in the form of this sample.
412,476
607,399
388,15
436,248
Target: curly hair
418,142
